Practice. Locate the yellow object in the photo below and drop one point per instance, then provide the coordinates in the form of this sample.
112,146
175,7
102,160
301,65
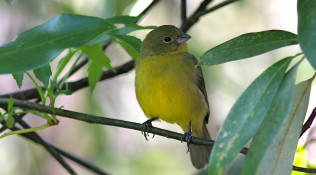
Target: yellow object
171,87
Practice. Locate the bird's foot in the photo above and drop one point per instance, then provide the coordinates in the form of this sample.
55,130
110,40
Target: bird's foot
187,137
145,127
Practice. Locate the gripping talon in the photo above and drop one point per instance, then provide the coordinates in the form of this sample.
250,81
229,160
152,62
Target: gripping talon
187,137
146,126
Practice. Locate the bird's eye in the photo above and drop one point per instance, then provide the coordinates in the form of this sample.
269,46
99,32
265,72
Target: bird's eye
166,39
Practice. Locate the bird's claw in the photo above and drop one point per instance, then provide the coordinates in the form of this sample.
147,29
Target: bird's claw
146,126
187,137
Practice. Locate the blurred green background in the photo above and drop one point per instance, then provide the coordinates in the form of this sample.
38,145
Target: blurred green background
123,151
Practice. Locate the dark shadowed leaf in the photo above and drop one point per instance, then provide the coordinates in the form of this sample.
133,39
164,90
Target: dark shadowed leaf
40,45
248,45
265,151
246,116
306,29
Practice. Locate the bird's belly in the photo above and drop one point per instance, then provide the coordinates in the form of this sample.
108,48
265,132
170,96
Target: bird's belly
172,98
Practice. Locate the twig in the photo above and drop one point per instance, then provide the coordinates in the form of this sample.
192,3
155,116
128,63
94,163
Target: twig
183,10
46,146
36,139
72,86
119,123
309,122
305,170
200,11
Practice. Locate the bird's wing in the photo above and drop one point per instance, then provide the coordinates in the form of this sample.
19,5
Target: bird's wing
201,86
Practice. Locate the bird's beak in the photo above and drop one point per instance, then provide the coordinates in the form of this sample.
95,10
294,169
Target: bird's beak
183,38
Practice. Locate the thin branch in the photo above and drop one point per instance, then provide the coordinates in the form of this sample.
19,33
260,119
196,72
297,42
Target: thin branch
119,123
72,86
309,122
90,166
52,151
200,11
305,170
183,10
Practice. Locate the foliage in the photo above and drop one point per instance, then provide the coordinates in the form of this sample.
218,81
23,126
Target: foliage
269,113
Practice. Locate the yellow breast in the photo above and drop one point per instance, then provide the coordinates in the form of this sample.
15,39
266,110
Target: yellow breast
166,88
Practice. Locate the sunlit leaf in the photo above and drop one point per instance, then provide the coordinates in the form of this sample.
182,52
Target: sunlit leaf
40,45
246,116
306,29
248,45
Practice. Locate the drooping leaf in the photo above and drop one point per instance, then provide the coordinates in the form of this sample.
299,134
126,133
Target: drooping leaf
40,45
43,74
306,29
18,78
245,117
265,152
248,45
94,73
130,44
96,54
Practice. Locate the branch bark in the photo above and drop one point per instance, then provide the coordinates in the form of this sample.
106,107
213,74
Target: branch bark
119,123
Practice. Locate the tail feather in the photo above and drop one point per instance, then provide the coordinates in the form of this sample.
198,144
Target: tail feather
200,154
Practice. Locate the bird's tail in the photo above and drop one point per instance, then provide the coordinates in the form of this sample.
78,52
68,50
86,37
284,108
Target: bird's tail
200,154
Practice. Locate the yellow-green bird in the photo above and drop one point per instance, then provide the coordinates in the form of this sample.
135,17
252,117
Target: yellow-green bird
170,87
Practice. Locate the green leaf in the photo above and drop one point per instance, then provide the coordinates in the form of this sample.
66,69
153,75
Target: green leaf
294,127
40,45
62,64
43,74
96,54
10,120
130,44
94,73
130,28
10,104
127,20
306,29
265,153
248,45
18,78
246,116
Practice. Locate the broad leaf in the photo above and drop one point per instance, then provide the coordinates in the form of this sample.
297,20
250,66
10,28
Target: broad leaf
43,74
127,20
248,45
40,45
294,127
306,29
266,148
245,117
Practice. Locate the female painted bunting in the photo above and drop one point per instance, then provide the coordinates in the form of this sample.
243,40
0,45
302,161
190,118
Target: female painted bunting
170,87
